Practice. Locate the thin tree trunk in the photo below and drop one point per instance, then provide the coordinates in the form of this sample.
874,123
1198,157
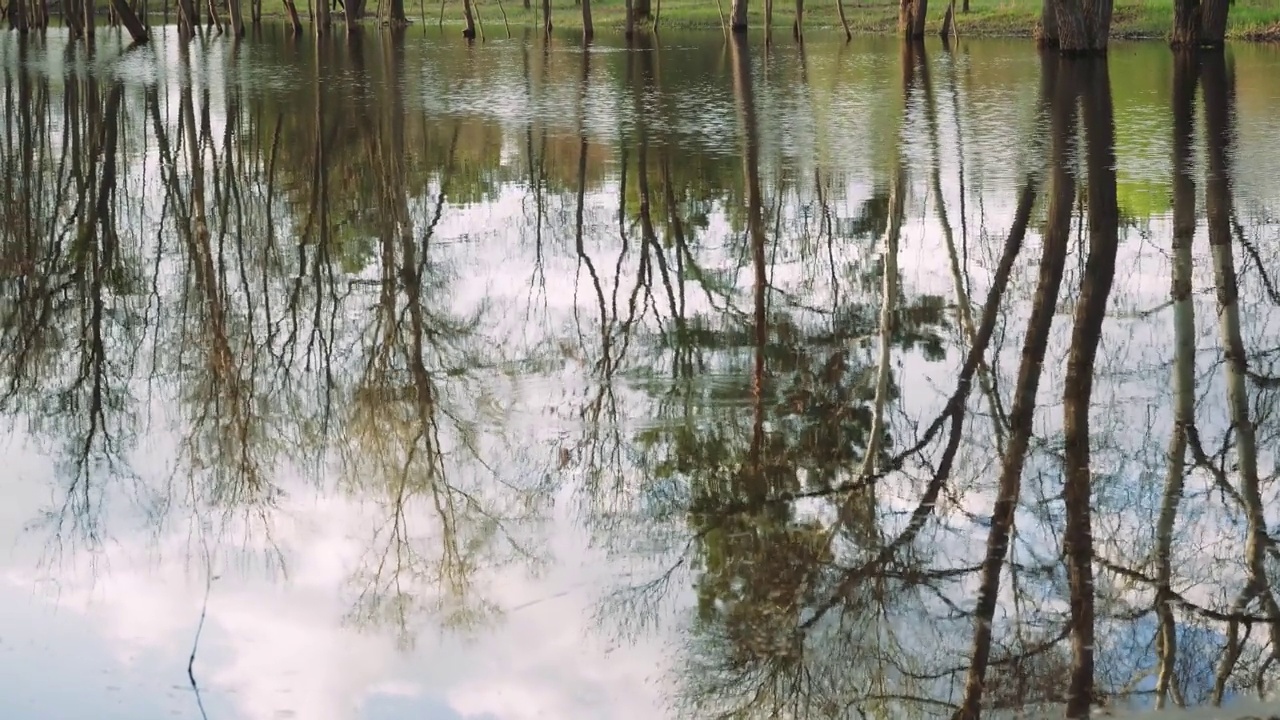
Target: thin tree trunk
630,31
323,19
291,8
1091,309
844,21
797,30
546,18
588,27
1184,350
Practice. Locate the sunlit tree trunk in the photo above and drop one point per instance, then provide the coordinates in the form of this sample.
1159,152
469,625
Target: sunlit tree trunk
1083,26
1184,361
844,21
469,18
132,23
738,17
291,8
323,19
1091,309
234,10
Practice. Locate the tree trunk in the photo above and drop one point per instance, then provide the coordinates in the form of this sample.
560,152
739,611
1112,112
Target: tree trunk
911,18
768,22
797,30
844,21
1213,22
397,13
468,17
1084,26
237,19
642,8
1091,308
1047,31
630,30
1186,23
1184,362
90,19
291,8
546,18
131,22
588,27
18,16
323,18
1059,93
738,17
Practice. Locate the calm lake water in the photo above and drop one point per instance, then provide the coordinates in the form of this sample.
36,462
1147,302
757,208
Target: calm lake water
389,377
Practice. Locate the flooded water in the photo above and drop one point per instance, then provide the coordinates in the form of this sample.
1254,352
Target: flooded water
388,377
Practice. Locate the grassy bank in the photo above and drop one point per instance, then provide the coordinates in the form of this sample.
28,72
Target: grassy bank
1249,20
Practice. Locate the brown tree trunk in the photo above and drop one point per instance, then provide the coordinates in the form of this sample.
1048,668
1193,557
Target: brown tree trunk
630,30
1047,31
291,8
1213,22
797,29
546,18
1186,23
642,8
588,27
18,16
911,18
468,16
397,13
1091,309
89,15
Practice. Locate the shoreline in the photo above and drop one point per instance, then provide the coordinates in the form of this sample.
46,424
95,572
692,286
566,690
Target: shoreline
1250,21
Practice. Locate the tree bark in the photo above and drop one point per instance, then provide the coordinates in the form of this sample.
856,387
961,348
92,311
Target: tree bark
642,9
546,18
911,18
1213,23
237,19
291,8
469,18
588,27
797,29
323,19
1091,308
1186,23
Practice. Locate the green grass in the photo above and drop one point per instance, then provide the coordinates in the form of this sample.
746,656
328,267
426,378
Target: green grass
1249,19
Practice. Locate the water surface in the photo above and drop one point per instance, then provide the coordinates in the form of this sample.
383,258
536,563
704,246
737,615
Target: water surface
387,376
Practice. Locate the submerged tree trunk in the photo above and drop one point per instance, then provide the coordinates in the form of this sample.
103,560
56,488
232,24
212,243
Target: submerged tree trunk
588,27
844,21
323,19
1091,309
911,18
797,29
1059,92
1186,23
546,18
1184,363
469,18
291,8
397,13
131,21
1213,22
237,19
1047,30
738,17
1083,26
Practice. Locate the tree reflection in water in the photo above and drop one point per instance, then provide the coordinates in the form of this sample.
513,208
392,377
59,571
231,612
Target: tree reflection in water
720,357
